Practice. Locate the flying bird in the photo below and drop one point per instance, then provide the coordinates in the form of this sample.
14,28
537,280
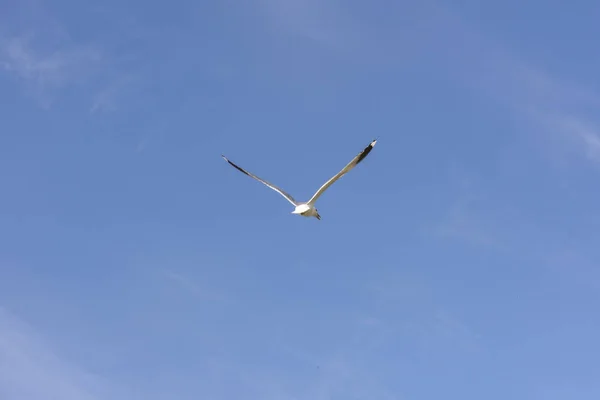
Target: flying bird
308,209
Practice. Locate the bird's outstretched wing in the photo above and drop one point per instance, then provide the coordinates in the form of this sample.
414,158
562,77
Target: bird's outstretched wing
355,161
275,188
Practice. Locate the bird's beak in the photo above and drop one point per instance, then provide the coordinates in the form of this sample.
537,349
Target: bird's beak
318,217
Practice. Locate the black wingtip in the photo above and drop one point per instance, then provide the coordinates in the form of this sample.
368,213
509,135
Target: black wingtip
235,166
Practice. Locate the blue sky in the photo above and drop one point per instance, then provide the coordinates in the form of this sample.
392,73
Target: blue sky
460,260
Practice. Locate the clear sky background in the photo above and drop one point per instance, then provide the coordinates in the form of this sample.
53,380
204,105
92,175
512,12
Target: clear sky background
458,261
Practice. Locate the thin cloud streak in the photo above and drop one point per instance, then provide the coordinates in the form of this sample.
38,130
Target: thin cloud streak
38,52
43,71
191,286
54,68
556,106
31,369
482,63
583,130
312,19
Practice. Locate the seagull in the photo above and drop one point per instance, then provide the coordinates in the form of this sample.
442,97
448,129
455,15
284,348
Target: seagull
307,209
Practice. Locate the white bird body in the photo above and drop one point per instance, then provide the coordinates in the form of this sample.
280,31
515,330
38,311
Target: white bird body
308,209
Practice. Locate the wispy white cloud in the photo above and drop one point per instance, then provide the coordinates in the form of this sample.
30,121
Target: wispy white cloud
31,369
564,111
111,96
312,19
560,114
52,67
558,107
407,307
191,286
324,377
578,128
44,69
39,53
463,223
591,139
404,316
464,217
330,24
